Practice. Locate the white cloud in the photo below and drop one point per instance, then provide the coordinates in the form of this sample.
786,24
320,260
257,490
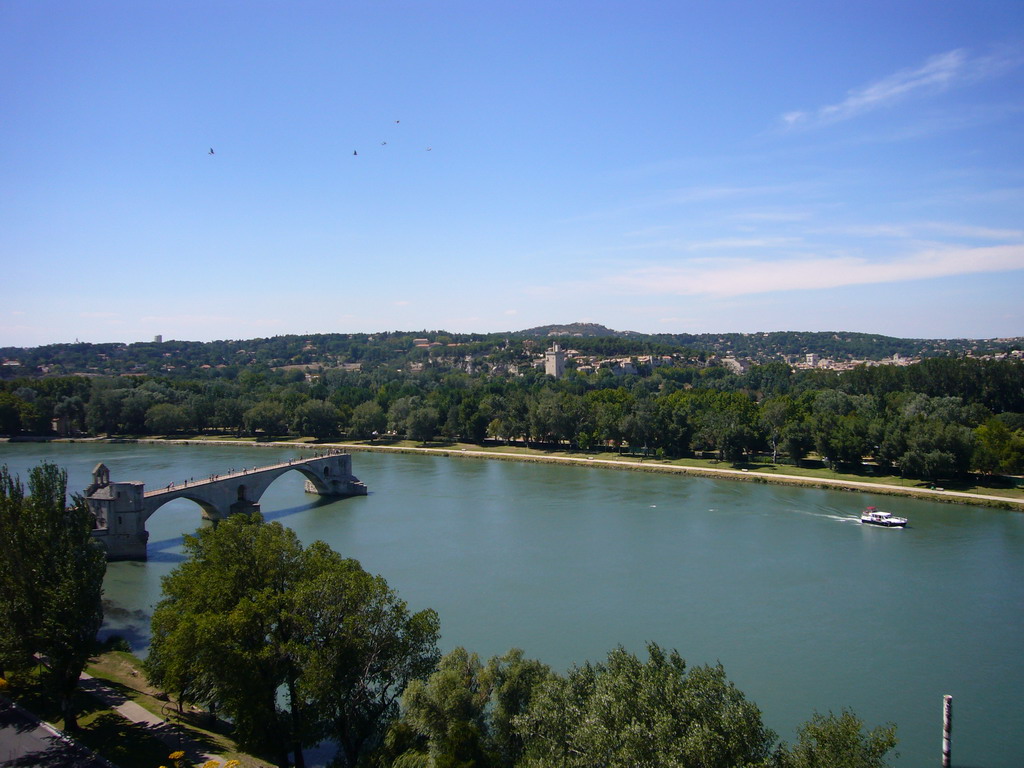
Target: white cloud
927,229
771,216
966,230
743,242
741,277
717,244
937,73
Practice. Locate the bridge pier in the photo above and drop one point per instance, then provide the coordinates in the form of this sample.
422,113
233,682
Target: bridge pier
120,510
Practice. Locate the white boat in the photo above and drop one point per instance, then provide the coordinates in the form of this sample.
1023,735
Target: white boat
874,516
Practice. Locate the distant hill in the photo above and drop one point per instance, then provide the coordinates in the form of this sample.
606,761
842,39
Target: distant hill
761,346
580,330
399,348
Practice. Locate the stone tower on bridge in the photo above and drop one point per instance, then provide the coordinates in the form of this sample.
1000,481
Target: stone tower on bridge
119,518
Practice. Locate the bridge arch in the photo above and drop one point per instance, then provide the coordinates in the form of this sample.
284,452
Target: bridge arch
209,510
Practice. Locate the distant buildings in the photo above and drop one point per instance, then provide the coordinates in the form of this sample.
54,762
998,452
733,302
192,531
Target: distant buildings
735,365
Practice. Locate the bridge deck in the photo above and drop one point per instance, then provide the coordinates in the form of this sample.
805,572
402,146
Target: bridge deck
231,473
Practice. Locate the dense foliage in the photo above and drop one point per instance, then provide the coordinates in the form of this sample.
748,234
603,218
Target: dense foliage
937,419
51,581
624,712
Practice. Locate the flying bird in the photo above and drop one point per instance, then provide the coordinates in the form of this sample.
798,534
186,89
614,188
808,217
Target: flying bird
354,152
211,151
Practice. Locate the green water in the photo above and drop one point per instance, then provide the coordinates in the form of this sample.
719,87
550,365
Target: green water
806,608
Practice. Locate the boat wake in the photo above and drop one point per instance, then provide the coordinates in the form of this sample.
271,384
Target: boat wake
828,514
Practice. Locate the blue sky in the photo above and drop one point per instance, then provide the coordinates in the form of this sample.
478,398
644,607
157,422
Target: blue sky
658,167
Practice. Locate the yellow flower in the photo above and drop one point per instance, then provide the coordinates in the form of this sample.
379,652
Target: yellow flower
176,755
211,764
232,764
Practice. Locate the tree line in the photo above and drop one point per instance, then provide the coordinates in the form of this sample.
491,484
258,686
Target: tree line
940,418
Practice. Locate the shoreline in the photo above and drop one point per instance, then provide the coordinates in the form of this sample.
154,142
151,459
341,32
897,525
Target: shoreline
634,465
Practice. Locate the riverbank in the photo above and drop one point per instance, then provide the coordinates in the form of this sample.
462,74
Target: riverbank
1009,498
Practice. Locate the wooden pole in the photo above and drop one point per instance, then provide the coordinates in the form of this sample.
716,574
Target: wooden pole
947,729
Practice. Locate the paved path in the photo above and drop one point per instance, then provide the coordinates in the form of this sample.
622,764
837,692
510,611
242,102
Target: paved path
26,741
169,733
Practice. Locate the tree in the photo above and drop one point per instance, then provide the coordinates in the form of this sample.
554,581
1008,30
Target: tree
229,413
775,413
134,406
399,413
316,418
796,441
167,418
838,742
267,417
51,580
103,411
361,647
448,712
10,416
223,633
514,681
627,712
937,449
368,419
464,713
294,644
70,414
422,423
998,449
727,422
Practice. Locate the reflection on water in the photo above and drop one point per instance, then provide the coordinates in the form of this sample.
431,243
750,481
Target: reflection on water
806,608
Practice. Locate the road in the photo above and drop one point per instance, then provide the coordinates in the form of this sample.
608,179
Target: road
27,743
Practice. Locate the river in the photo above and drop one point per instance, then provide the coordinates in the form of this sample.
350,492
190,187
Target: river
807,609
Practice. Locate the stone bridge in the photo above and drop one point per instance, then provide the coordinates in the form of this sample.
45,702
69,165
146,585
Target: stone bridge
120,509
